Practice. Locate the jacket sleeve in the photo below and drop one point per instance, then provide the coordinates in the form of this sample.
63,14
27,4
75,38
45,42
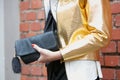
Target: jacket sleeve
97,20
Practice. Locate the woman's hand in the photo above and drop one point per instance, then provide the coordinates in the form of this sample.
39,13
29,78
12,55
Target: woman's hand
47,55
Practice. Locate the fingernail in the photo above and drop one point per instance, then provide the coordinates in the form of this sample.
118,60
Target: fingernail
33,45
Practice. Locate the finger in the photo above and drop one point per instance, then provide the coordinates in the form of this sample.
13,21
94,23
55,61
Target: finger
36,47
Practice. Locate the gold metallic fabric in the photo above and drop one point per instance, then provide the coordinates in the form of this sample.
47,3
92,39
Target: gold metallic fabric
84,26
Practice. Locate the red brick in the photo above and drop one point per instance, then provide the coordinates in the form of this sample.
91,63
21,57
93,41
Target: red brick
25,35
44,70
24,27
24,5
115,7
108,74
23,77
36,70
30,34
110,48
42,78
119,46
31,16
31,78
35,26
118,74
36,4
117,20
116,34
22,16
101,59
112,60
26,69
42,24
41,14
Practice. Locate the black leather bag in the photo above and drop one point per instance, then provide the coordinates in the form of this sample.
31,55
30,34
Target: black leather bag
48,40
24,48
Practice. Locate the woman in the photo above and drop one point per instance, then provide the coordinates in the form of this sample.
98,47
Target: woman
83,28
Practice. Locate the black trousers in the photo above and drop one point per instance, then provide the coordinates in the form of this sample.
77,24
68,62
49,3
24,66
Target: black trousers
56,71
97,78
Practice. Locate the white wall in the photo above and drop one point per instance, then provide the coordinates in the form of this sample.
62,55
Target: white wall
9,32
2,57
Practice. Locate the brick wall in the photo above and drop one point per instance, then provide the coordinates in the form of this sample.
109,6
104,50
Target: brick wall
110,57
32,23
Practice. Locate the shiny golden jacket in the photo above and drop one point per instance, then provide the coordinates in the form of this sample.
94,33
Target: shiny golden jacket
84,27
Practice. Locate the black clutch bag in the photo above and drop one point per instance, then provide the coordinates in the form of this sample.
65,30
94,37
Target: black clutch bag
23,47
